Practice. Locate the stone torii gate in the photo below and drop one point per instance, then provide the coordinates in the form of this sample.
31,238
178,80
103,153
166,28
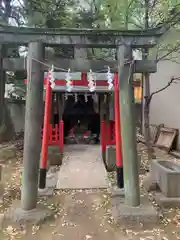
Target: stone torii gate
37,39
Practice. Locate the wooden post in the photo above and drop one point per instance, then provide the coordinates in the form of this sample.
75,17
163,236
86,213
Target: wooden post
60,106
33,124
101,106
96,102
101,112
128,130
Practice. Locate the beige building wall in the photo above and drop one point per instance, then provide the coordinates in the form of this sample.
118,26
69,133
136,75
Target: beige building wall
165,106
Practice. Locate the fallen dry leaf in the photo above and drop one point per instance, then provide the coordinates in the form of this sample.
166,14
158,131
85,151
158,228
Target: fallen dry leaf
88,237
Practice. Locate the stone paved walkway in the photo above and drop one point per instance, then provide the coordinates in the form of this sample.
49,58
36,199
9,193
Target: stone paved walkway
82,168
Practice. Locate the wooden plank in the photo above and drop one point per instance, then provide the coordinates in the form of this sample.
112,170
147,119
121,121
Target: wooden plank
79,65
166,138
154,130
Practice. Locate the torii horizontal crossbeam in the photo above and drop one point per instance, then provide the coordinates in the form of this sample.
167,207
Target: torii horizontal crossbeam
81,37
79,65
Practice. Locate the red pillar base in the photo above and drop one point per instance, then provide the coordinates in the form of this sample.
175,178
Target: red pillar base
120,177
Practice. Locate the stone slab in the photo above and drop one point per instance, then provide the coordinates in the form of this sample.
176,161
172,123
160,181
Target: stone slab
51,181
149,183
111,158
117,192
7,153
82,168
45,192
144,214
166,202
167,176
37,215
54,156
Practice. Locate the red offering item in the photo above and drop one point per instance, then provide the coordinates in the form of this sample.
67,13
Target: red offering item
86,134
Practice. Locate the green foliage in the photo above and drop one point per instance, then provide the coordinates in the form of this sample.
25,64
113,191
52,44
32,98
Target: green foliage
130,14
49,13
122,14
127,14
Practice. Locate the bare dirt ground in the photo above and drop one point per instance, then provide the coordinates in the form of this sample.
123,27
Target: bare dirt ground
80,215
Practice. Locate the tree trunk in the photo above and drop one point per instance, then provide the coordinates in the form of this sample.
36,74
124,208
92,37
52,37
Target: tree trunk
147,134
146,94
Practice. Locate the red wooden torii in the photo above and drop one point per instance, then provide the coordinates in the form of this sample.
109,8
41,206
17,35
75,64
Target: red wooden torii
110,134
50,135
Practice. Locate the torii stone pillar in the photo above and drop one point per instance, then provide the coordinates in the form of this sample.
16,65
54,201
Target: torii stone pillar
33,124
128,128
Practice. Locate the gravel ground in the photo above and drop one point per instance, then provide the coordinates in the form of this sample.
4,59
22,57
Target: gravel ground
82,214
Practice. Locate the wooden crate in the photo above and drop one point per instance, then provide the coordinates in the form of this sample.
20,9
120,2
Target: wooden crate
154,131
166,138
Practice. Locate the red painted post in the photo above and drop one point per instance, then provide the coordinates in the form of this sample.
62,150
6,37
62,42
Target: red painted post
119,160
45,140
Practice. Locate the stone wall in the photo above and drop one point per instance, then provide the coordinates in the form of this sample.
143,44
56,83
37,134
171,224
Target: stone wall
17,112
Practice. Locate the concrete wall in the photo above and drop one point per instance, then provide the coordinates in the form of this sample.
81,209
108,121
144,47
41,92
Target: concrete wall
165,107
17,113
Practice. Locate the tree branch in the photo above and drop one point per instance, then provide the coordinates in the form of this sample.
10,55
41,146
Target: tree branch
148,99
171,60
127,14
176,48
